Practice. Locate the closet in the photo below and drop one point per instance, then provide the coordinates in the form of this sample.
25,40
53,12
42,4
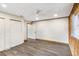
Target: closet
16,33
11,33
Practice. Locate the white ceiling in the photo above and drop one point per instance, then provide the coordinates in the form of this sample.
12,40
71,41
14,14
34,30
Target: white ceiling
27,10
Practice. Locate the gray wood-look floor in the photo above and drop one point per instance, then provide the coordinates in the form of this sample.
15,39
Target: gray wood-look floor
38,48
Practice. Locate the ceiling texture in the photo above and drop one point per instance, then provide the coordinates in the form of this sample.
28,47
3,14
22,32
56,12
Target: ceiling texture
47,10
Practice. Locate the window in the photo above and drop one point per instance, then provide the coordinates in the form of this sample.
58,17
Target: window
75,26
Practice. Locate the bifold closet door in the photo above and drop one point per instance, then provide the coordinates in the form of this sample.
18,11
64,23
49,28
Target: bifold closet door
16,33
2,36
11,33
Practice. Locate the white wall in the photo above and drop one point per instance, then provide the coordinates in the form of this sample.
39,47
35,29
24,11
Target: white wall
53,30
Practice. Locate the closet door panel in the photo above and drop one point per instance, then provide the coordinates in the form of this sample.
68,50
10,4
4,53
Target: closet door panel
20,32
7,34
2,36
23,30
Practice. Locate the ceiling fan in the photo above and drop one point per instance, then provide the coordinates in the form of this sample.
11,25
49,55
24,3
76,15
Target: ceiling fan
37,14
37,18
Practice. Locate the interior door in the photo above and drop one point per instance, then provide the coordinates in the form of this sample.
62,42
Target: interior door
2,36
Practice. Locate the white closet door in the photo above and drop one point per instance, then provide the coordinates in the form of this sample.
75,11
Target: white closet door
2,36
16,33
